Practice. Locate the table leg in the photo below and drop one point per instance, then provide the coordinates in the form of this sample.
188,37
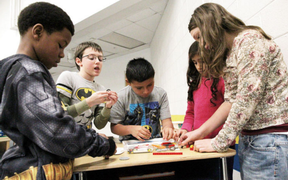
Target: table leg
80,176
224,167
7,145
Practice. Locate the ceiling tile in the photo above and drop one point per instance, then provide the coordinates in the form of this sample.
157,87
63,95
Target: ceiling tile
137,32
110,47
118,25
141,15
121,40
159,6
98,32
151,22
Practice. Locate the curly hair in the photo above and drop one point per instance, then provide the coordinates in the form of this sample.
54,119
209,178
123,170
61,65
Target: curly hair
193,76
50,16
214,21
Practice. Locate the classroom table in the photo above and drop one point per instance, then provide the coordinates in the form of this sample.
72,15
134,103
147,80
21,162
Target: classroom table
4,143
141,160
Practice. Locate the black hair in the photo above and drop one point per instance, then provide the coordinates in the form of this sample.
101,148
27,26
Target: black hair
81,48
140,70
50,16
193,76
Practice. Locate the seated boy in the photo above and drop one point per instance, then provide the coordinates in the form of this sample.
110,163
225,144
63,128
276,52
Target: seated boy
140,106
46,139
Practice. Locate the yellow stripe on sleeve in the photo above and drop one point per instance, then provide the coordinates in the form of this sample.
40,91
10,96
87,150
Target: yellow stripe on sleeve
65,89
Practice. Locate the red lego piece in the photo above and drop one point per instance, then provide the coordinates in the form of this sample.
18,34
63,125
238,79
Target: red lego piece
167,153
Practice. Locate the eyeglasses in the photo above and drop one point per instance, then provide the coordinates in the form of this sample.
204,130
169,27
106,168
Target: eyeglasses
93,57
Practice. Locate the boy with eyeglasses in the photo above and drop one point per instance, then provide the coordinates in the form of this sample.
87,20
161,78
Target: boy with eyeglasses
82,97
46,139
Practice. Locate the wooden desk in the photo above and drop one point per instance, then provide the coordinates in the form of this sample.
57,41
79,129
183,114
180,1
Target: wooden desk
88,163
4,143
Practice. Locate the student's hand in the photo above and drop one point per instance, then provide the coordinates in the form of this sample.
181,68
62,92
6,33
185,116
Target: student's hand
103,135
178,133
97,98
189,137
167,129
141,133
112,99
167,133
203,145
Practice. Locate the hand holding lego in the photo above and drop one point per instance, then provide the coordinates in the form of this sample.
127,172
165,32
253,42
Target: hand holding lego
97,98
141,133
178,133
112,99
167,129
167,133
189,137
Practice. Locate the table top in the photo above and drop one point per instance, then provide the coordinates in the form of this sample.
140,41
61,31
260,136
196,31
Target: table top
88,163
4,139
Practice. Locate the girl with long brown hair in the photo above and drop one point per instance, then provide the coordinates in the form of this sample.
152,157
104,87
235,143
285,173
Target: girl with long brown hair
256,92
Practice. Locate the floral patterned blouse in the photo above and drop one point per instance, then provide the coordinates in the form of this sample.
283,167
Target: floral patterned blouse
256,83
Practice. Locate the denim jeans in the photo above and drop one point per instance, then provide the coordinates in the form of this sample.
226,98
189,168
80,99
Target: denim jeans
263,157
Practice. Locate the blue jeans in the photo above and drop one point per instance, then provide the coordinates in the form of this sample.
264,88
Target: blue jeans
263,157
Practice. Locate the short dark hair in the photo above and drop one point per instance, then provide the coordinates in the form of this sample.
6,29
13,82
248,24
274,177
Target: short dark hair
81,48
50,16
139,69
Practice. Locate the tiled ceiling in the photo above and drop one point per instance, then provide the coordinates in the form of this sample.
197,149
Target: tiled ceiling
124,27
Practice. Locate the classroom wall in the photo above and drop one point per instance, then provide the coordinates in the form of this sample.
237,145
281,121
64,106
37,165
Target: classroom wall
169,48
9,38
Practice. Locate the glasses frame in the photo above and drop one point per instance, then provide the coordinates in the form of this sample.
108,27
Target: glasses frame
95,57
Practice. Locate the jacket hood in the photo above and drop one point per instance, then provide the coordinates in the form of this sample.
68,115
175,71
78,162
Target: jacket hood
5,66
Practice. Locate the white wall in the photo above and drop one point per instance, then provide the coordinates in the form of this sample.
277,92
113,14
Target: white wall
9,38
77,10
169,48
